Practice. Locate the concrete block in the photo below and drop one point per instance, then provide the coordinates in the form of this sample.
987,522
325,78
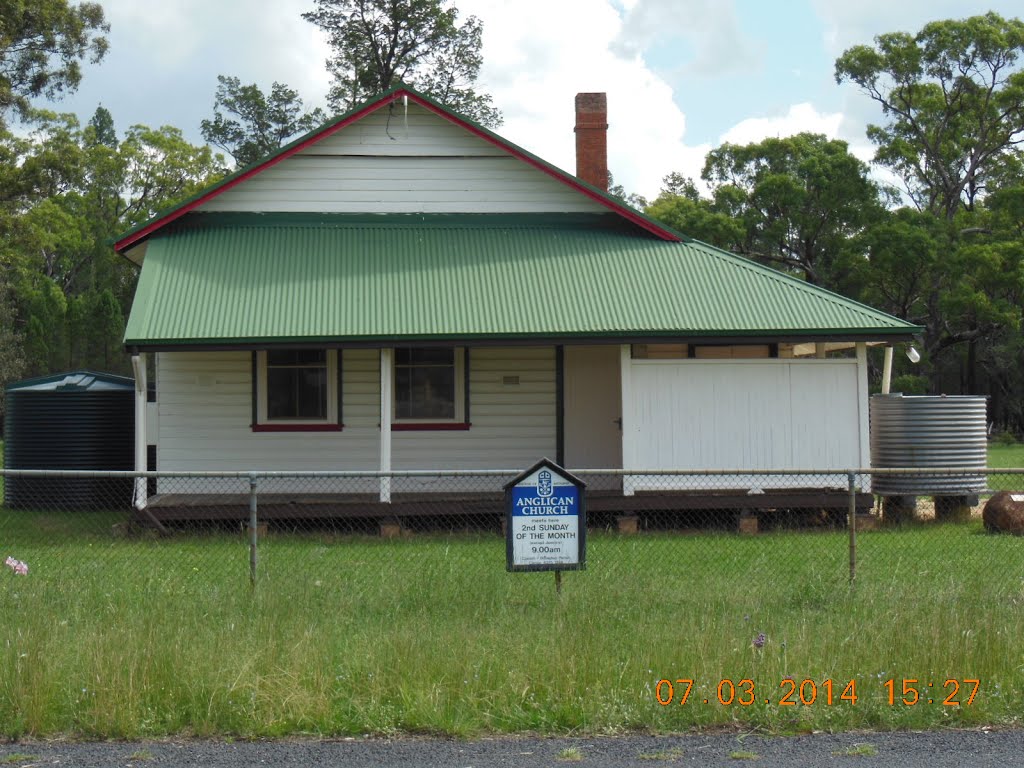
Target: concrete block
899,509
748,524
954,508
628,523
866,522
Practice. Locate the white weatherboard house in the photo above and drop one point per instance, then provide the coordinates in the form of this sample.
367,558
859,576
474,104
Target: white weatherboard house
404,289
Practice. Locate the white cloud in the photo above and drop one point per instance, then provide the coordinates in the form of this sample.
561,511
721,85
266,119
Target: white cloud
709,27
801,118
165,57
854,23
535,71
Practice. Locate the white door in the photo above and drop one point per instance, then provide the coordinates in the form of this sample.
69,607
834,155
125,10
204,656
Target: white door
593,408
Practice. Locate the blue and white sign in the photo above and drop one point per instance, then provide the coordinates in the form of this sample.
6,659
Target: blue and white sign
546,524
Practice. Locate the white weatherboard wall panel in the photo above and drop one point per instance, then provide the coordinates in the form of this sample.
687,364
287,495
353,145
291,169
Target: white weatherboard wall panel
390,164
513,425
338,184
394,131
750,414
205,412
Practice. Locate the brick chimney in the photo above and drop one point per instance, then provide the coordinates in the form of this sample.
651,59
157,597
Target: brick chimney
592,139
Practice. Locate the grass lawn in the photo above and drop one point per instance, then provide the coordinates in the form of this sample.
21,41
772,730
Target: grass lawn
1006,456
110,637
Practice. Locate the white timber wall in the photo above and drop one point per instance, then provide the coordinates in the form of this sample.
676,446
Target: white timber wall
205,411
513,424
389,164
744,414
204,400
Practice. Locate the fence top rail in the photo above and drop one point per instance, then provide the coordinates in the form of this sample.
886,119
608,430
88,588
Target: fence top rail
507,473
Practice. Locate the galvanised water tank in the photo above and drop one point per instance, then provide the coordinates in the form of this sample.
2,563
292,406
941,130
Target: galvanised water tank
80,420
929,432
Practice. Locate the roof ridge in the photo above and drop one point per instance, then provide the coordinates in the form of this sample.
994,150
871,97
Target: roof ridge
520,220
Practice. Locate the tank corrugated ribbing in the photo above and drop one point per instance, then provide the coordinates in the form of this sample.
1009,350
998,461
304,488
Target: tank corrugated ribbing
929,432
55,425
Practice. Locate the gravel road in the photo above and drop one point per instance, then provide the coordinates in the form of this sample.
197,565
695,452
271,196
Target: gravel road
934,749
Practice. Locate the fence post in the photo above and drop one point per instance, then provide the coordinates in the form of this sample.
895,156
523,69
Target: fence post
252,529
852,524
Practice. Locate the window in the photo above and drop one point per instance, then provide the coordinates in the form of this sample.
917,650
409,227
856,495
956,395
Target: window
430,386
296,389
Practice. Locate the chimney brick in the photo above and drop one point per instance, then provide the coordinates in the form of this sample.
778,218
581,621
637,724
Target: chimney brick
592,139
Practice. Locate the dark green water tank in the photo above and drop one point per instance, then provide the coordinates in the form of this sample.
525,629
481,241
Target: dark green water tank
80,420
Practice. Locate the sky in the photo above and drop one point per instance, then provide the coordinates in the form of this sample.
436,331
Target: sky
682,76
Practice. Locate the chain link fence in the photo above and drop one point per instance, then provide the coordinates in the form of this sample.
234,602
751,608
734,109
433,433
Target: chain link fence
443,532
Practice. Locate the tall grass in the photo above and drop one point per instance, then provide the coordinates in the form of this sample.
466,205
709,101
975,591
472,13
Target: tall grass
126,637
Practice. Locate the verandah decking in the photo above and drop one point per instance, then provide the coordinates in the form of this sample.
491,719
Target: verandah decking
175,508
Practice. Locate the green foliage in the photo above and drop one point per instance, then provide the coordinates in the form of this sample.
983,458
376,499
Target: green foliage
902,250
698,219
953,101
953,96
12,354
101,127
42,311
909,384
42,43
261,123
799,200
71,191
794,203
1005,439
378,44
160,168
629,198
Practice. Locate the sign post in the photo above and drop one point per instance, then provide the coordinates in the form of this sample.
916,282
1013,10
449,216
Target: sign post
546,521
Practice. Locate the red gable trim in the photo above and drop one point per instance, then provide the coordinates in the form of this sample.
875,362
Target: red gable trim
163,221
135,237
565,178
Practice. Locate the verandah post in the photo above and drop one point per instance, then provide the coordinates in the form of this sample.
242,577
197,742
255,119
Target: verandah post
253,539
387,368
852,524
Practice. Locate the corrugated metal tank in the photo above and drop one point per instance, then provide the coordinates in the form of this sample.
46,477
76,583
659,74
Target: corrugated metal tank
80,420
919,431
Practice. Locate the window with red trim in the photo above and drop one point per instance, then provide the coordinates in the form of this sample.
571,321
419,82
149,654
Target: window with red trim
430,385
297,388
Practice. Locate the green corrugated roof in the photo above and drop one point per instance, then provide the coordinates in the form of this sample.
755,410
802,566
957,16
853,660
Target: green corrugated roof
226,279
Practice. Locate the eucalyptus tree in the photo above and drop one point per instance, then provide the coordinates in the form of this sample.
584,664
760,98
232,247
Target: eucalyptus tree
377,44
249,124
42,45
794,203
952,103
68,191
952,99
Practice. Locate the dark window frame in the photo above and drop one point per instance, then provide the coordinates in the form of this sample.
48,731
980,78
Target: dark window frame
260,385
460,421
